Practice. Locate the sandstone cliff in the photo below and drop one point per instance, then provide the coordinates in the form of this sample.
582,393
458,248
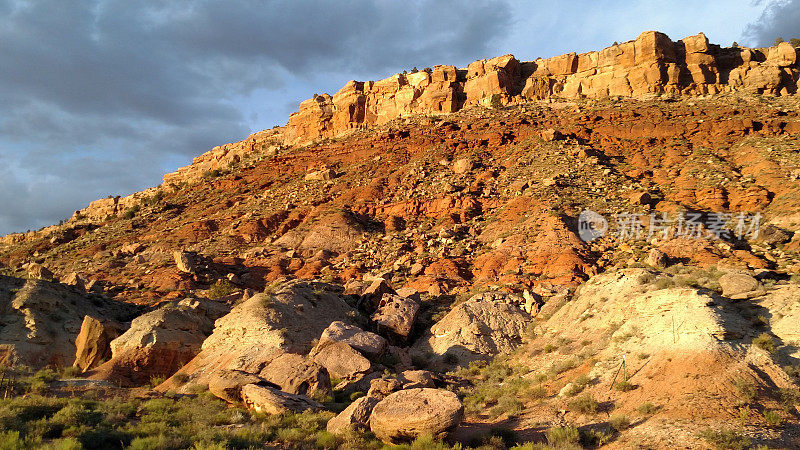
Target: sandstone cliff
652,65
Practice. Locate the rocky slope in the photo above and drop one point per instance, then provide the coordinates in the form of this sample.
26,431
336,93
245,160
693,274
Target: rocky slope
420,235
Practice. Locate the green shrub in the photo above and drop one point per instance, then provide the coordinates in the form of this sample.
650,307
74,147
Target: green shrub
746,389
563,436
156,380
221,289
585,404
647,409
624,386
764,341
11,440
536,392
773,418
619,422
726,439
560,367
180,378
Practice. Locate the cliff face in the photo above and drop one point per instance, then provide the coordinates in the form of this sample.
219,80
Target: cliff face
650,66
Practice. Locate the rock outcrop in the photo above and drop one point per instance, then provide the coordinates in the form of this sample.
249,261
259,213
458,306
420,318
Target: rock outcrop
479,328
41,320
265,326
651,65
160,342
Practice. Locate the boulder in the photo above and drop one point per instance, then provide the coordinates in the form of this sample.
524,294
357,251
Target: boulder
396,316
341,360
355,416
477,329
407,414
657,258
463,165
381,387
772,235
227,384
73,279
268,400
93,344
338,232
739,285
295,374
417,379
372,295
185,261
369,344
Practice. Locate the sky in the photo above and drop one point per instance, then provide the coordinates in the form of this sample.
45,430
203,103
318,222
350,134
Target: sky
102,97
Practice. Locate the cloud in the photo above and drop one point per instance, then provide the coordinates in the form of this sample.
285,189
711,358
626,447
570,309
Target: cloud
103,96
781,18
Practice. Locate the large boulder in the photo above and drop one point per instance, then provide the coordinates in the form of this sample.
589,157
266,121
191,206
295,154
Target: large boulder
396,316
160,342
341,360
369,344
227,384
93,344
739,285
265,326
42,319
407,414
355,416
296,374
477,329
268,400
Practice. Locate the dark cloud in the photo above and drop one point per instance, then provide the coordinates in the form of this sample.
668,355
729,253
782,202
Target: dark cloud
780,19
100,97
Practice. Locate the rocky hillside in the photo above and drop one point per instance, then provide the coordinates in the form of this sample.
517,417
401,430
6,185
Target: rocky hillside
412,255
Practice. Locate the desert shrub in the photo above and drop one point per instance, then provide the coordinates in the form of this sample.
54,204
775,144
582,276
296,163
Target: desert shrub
537,392
506,405
560,367
70,372
585,404
563,436
789,398
221,289
624,386
647,409
155,381
746,389
619,422
765,342
773,418
592,438
180,378
726,439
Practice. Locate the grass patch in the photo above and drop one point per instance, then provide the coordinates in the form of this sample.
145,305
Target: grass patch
585,404
221,288
624,386
726,439
765,342
619,422
647,409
